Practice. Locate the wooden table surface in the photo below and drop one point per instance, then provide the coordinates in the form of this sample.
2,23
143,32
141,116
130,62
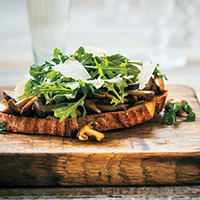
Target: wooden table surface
16,56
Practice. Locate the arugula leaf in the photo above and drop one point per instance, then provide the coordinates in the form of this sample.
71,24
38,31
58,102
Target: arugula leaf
99,68
112,66
85,88
121,60
53,76
157,72
50,89
67,80
59,57
68,95
39,72
2,124
70,110
107,66
120,84
31,89
173,108
83,57
111,88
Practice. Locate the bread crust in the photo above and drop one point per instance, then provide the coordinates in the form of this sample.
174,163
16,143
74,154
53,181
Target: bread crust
69,127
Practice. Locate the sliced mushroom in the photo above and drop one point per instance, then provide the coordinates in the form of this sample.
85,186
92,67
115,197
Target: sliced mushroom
130,99
135,98
103,101
160,83
147,95
96,96
154,86
49,108
100,96
90,105
88,130
109,96
37,107
23,102
42,110
27,109
132,86
13,109
139,102
109,108
149,84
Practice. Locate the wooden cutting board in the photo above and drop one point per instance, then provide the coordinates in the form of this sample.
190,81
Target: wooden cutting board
148,154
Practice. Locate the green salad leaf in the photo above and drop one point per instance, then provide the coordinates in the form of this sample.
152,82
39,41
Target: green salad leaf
83,57
59,57
39,72
70,110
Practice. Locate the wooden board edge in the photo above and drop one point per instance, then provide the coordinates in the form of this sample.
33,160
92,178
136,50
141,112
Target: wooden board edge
89,169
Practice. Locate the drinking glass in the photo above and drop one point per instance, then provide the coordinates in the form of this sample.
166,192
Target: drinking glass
49,24
156,16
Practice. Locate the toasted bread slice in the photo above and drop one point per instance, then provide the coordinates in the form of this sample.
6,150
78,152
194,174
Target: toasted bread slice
69,127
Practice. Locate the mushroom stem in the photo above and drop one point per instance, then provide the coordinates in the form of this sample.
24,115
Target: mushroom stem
87,130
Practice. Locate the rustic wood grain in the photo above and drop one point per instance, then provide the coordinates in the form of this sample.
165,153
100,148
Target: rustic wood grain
148,154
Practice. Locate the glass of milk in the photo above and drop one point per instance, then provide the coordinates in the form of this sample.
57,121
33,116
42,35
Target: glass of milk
49,23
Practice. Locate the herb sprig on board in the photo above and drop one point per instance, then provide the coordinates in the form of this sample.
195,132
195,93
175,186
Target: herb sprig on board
2,124
173,108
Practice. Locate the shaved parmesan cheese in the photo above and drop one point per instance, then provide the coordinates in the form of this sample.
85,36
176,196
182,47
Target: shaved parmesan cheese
74,69
95,51
19,89
145,74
